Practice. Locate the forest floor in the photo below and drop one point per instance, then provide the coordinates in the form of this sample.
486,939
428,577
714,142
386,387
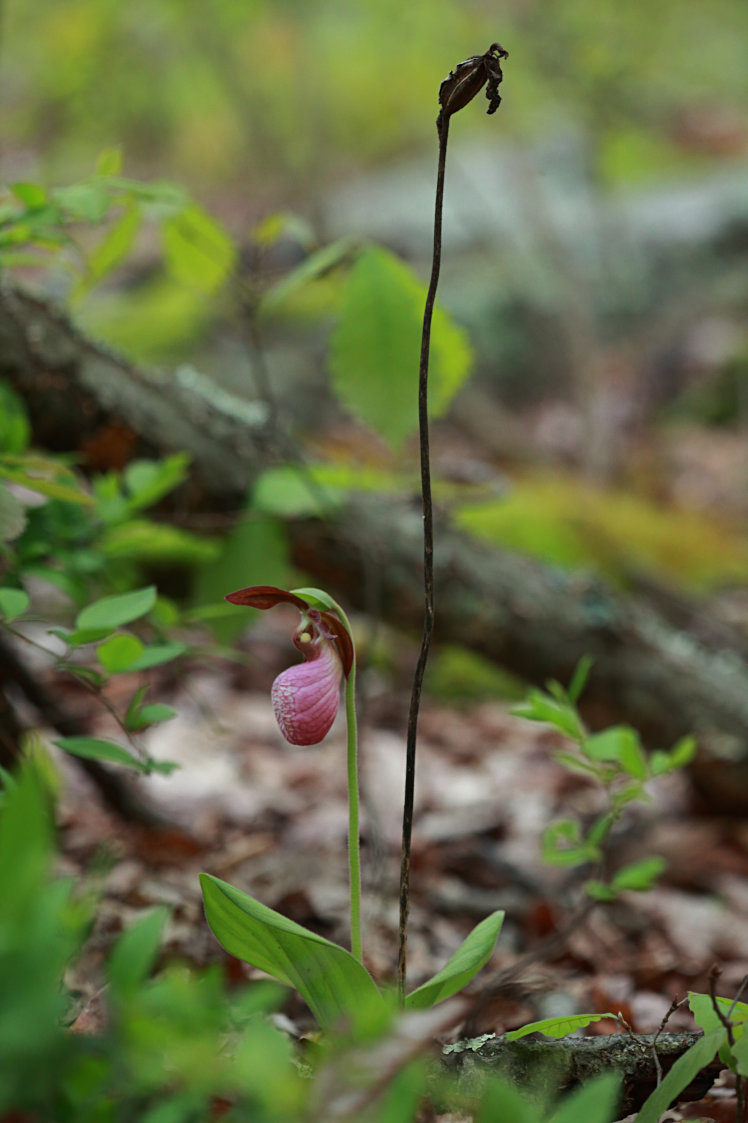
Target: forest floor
272,819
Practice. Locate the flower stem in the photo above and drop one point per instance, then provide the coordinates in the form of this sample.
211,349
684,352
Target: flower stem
442,125
354,858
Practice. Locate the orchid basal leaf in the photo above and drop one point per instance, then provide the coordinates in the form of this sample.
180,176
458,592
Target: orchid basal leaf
466,962
335,986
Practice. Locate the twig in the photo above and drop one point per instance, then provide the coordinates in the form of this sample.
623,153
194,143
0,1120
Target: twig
661,1029
714,973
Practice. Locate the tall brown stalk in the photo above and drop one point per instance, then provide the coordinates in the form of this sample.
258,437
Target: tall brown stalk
457,89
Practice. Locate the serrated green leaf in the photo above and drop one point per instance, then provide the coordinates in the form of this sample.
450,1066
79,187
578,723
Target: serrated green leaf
113,612
118,653
13,603
198,250
333,984
94,748
375,347
681,1074
557,1027
466,962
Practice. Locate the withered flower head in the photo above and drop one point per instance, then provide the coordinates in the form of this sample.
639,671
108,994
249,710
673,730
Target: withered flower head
469,77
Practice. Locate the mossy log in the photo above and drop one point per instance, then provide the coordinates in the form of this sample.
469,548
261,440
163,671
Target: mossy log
550,1067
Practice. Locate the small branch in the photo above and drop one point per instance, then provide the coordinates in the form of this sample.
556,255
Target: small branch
726,1020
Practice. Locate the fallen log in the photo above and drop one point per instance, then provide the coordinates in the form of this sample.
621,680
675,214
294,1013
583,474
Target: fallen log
549,1067
667,679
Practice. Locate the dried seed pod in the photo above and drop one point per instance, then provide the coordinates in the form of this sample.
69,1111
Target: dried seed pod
469,77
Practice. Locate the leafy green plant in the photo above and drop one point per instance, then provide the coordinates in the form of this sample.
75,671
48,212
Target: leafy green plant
616,761
334,982
379,299
723,1021
59,531
38,227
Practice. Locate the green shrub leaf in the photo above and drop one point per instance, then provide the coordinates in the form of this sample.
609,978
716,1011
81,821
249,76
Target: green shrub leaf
94,748
13,603
118,653
466,962
333,984
112,612
376,344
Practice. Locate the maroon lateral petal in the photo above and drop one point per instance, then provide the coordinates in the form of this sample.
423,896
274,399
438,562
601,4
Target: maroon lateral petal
265,596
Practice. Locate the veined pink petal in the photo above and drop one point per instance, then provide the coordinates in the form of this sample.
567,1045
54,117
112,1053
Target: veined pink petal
305,697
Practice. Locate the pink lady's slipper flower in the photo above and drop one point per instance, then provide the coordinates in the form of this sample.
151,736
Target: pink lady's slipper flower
305,697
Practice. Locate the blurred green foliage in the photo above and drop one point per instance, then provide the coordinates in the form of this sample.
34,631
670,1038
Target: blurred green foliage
262,94
172,1045
570,522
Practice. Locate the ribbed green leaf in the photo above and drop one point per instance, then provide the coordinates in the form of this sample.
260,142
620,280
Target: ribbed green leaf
466,962
556,1027
333,984
376,345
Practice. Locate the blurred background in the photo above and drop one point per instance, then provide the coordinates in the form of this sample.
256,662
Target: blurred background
217,169
595,234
